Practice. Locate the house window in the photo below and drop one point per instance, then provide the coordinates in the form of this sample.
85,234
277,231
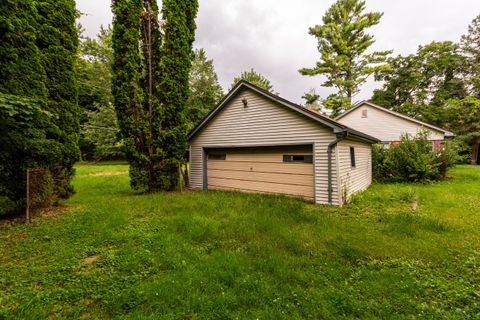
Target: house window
298,158
364,113
217,156
352,157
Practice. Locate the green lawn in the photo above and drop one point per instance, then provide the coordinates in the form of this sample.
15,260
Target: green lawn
218,255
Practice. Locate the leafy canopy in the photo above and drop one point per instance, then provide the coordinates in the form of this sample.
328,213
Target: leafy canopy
254,78
99,136
205,91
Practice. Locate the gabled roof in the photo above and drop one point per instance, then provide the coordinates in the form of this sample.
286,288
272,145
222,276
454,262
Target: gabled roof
241,85
396,114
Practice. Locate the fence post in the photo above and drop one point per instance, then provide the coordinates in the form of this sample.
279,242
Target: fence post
27,213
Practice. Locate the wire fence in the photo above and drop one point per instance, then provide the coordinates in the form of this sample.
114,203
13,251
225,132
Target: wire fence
39,191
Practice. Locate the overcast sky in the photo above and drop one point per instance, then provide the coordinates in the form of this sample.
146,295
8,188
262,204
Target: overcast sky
272,37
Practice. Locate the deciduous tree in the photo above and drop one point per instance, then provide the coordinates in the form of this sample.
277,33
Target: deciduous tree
255,78
205,91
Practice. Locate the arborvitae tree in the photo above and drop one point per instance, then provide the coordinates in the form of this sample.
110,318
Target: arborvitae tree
254,78
150,87
57,39
21,75
127,90
342,43
21,68
205,91
37,95
176,55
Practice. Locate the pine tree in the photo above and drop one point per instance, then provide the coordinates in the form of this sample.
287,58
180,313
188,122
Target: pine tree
342,43
470,44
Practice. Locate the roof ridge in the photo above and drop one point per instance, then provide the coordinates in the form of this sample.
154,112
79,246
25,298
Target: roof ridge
395,113
332,123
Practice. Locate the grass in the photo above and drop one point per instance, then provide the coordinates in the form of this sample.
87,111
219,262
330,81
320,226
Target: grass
224,255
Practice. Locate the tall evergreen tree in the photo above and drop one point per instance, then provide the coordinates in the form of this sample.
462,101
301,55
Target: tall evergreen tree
150,86
342,43
255,78
38,46
205,91
176,55
470,45
21,66
126,87
57,39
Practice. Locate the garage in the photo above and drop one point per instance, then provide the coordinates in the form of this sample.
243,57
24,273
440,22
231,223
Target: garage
256,141
281,170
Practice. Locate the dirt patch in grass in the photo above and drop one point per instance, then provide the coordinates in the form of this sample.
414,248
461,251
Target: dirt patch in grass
91,259
107,173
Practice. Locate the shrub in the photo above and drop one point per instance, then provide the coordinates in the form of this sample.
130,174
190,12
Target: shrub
414,160
451,153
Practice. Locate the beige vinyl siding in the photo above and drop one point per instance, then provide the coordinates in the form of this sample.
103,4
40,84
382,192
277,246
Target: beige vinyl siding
263,123
383,125
354,179
262,170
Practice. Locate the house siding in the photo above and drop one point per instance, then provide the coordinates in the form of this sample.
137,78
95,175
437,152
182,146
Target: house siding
264,123
383,125
353,179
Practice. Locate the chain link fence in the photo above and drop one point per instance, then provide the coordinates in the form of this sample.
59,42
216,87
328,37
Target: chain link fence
40,191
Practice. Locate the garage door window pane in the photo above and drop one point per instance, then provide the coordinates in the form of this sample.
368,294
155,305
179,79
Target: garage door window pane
298,158
217,156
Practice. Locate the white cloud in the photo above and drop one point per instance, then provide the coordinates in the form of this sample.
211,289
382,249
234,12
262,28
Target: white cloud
272,36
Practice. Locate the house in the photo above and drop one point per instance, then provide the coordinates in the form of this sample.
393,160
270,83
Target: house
255,141
387,125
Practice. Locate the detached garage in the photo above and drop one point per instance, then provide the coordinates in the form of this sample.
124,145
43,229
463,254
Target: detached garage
255,141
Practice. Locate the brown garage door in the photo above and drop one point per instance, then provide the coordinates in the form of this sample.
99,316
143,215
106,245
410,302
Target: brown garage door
285,170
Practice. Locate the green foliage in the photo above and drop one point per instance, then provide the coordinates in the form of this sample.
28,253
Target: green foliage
26,132
126,89
101,130
419,84
414,160
311,100
176,54
95,71
228,255
150,87
57,40
205,91
21,68
37,63
98,119
254,78
470,45
342,43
